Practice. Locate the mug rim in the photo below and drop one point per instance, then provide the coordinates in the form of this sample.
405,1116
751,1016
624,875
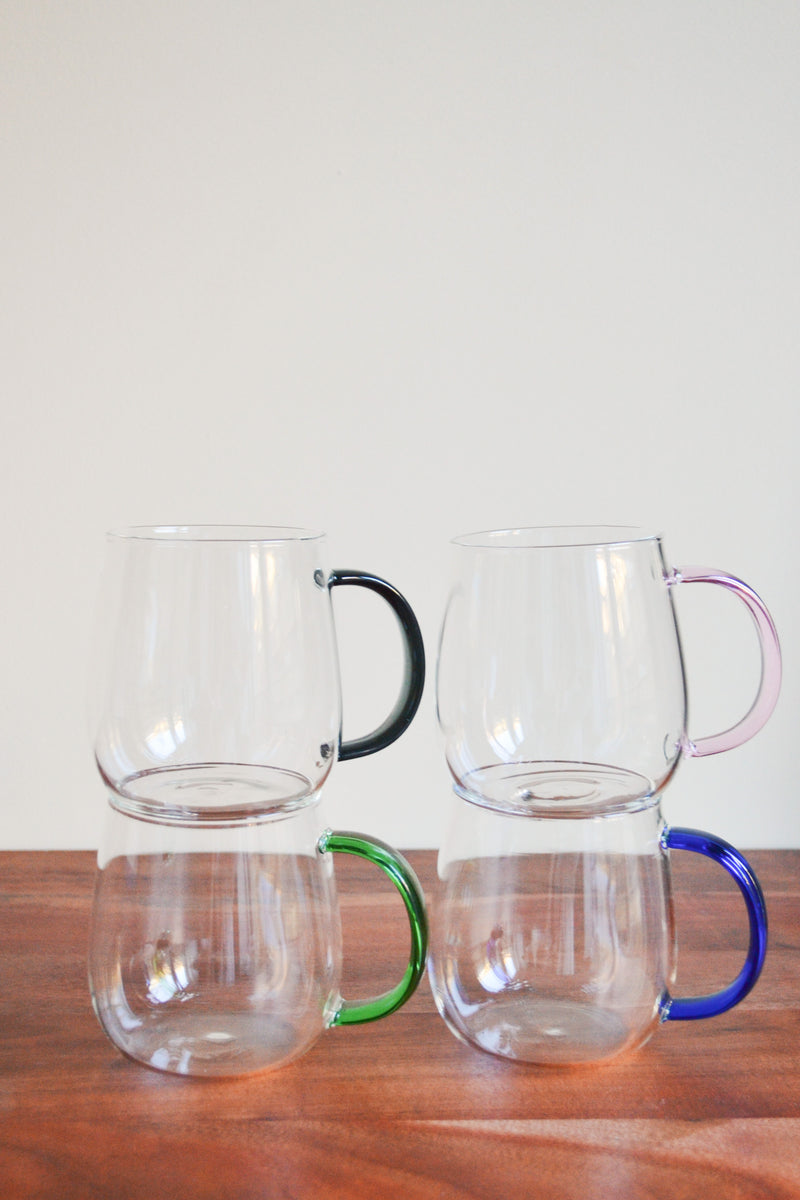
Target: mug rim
555,537
262,534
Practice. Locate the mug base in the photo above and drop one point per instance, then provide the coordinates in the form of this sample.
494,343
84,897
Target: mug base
550,1032
201,1047
558,789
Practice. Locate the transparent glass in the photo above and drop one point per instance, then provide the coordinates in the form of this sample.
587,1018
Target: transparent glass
560,680
553,939
217,950
217,691
217,717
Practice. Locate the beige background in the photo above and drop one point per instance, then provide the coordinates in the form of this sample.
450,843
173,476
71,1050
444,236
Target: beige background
398,270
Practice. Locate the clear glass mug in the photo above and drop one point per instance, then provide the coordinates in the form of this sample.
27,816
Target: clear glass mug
217,719
560,680
562,702
216,950
553,939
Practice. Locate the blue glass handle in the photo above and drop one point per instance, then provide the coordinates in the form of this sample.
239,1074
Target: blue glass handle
693,1007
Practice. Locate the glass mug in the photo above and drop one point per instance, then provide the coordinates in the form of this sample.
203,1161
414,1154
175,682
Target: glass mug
217,716
561,699
560,682
217,950
553,938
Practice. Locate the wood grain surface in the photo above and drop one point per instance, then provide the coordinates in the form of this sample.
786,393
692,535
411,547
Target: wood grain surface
400,1108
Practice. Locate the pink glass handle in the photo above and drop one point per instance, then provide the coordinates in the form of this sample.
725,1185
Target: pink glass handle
767,697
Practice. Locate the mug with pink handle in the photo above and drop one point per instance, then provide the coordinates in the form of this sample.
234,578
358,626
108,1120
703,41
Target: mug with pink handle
560,682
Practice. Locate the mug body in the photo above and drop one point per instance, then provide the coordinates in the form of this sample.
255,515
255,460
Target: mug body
217,690
552,938
560,682
214,950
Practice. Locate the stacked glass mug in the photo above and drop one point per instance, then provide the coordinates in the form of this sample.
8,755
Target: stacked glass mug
561,698
216,941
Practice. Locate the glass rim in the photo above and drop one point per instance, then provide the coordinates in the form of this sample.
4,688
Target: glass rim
247,534
555,537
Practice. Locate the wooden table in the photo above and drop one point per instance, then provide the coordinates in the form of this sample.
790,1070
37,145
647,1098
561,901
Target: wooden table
400,1108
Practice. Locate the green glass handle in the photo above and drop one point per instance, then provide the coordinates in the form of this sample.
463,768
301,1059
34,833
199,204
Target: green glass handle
404,879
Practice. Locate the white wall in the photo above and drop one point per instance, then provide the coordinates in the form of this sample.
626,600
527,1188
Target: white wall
400,270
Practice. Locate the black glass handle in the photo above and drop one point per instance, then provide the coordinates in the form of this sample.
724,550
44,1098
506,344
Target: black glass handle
407,704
